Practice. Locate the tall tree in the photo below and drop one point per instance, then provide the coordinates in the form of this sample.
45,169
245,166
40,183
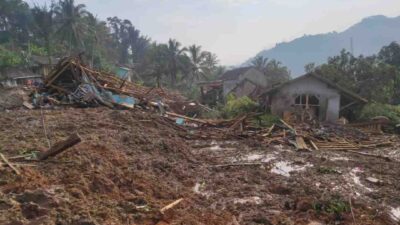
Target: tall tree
70,18
175,51
197,64
43,26
390,54
14,22
260,63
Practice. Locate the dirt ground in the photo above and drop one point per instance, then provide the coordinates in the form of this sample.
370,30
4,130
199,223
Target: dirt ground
132,163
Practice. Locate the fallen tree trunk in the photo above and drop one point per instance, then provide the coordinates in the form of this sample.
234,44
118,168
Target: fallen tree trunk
61,146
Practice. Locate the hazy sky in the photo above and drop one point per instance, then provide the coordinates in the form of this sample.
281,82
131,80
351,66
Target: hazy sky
238,29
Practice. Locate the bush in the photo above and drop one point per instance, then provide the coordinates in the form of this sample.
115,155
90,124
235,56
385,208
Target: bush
378,109
265,120
237,106
9,58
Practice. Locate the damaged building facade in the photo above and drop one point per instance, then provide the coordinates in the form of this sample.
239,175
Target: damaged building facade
237,79
309,97
245,81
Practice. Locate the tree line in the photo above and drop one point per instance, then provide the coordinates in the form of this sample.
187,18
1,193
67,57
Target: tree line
376,77
66,28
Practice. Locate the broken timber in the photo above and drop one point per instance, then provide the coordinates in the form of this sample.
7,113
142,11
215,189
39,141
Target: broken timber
301,144
169,206
9,164
61,146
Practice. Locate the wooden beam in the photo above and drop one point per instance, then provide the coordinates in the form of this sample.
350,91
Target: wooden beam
61,146
170,206
9,164
348,105
313,144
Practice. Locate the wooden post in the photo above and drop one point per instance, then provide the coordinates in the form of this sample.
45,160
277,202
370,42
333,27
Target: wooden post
61,146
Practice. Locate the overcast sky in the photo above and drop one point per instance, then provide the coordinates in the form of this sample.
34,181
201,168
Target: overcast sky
238,29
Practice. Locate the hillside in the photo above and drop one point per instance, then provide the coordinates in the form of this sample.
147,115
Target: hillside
368,36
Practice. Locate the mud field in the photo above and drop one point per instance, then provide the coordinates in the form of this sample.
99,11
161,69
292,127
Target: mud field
133,163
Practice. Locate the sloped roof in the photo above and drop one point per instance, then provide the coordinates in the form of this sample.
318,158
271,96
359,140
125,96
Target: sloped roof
256,91
18,73
44,60
235,73
342,90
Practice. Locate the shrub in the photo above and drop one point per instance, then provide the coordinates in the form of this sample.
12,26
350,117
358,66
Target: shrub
378,109
9,58
265,120
237,106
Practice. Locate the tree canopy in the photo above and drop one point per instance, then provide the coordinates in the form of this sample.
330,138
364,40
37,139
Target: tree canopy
66,28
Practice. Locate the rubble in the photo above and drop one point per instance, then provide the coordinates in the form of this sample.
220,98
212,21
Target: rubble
158,162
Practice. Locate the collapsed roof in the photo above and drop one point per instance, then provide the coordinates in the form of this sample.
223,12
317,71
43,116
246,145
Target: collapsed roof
342,90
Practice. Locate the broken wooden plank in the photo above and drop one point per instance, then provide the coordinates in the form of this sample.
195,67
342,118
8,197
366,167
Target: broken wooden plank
28,105
288,126
191,119
170,206
313,145
387,158
301,144
9,164
61,146
269,131
238,164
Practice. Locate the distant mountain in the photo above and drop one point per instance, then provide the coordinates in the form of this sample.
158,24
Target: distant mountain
368,37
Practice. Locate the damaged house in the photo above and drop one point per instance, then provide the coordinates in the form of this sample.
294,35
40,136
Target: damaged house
242,81
13,77
309,97
245,81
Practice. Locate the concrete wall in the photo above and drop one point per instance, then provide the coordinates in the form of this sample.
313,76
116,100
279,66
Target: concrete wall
229,85
252,74
244,89
9,83
329,98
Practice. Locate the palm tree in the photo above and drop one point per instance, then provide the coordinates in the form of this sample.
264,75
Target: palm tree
260,63
210,63
43,25
197,64
174,54
70,17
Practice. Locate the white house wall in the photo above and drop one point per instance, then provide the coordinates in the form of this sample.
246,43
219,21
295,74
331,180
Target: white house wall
329,98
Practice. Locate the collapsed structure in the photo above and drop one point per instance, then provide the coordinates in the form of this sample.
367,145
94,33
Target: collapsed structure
309,97
160,167
71,82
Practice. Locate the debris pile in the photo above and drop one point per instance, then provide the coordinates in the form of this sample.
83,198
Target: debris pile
72,83
170,166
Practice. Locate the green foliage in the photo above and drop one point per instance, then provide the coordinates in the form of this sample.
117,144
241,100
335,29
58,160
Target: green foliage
9,58
335,205
272,69
237,106
37,50
376,77
265,120
378,109
66,28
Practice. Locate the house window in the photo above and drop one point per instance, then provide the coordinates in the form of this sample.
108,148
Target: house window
306,100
